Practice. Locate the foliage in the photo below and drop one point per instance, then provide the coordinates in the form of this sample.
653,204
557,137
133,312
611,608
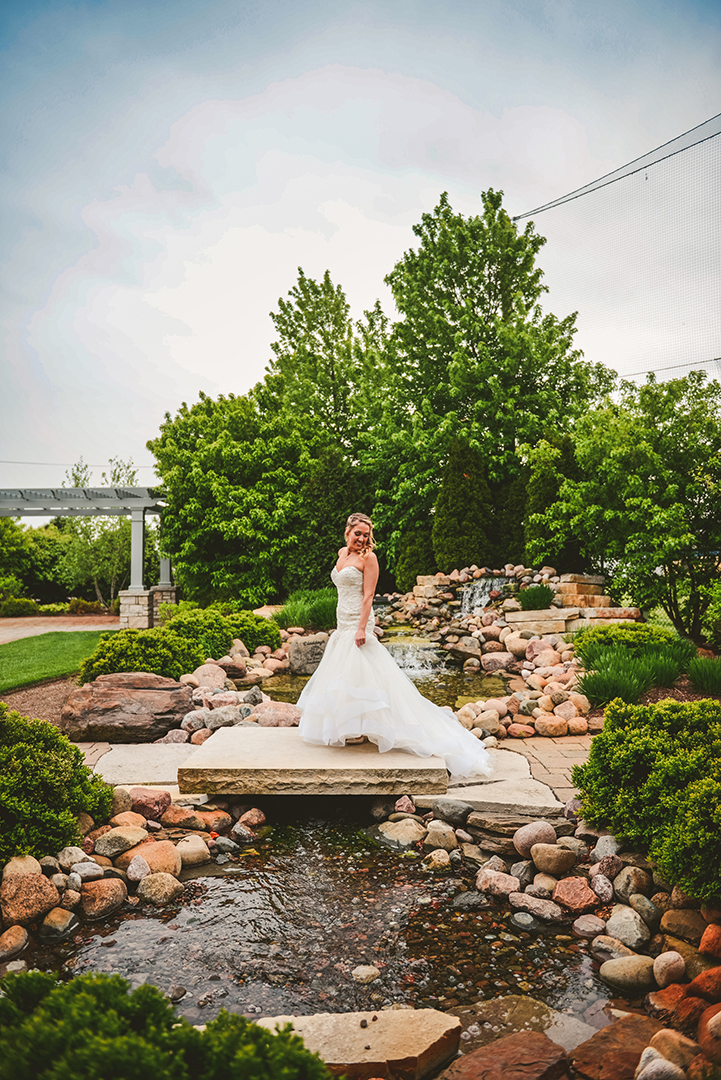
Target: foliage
14,549
552,461
94,1027
705,674
10,587
712,615
313,609
156,650
47,656
632,636
536,597
615,671
76,606
44,785
652,777
647,502
53,609
214,632
509,515
254,630
416,558
43,575
15,606
462,511
473,357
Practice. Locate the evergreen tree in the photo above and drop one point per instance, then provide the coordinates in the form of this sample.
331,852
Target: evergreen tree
416,558
552,462
509,512
463,512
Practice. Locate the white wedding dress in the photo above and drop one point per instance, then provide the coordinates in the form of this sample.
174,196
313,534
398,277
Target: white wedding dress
361,691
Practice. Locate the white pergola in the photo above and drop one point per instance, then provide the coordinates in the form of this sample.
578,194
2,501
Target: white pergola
132,502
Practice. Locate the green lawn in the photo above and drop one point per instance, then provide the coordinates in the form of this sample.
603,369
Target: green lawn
48,656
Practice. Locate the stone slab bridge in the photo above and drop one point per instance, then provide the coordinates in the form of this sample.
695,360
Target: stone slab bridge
138,605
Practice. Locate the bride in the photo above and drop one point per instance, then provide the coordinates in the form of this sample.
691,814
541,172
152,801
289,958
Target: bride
358,691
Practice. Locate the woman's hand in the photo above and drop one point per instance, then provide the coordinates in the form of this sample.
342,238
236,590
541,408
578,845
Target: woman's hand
360,638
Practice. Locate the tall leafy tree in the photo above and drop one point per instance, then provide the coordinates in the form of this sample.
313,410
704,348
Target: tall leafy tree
647,505
463,512
553,460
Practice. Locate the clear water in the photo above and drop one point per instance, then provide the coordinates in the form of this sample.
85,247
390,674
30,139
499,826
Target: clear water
476,594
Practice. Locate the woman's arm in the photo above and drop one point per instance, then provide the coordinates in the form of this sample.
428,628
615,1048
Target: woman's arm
370,580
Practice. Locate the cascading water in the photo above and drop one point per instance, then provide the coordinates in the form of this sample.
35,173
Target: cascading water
419,661
477,594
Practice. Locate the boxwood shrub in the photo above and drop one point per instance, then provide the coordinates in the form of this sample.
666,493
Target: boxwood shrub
44,785
158,650
94,1028
654,777
632,636
214,632
16,606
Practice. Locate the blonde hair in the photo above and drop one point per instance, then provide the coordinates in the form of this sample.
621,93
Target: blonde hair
362,519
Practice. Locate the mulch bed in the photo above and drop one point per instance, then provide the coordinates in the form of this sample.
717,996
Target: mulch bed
41,702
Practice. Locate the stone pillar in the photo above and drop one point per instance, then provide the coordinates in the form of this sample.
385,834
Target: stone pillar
162,594
136,612
137,546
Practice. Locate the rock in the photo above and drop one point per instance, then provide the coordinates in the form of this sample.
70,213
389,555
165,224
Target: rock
523,871
710,944
69,856
70,900
243,834
99,898
127,818
195,720
709,1042
577,726
365,973
675,1047
150,802
695,962
21,864
440,835
605,845
199,737
668,968
182,817
159,889
497,705
174,736
12,943
26,897
403,1043
681,899
189,680
224,716
277,713
125,707
57,926
631,880
402,834
525,1055
88,871
211,676
684,923
193,851
605,948
49,865
536,832
552,727
137,868
574,894
305,654
438,859
118,840
631,975
648,911
660,1069
706,985
520,731
603,888
162,857
628,926
496,883
404,805
497,661
541,909
614,1052
551,859
588,927
253,818
471,901
121,801
452,811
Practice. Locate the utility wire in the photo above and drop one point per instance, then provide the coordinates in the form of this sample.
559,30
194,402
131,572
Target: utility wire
620,174
67,464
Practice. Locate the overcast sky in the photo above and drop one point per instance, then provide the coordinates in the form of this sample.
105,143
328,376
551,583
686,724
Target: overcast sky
168,166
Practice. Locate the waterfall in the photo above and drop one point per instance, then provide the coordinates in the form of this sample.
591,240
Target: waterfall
477,594
417,661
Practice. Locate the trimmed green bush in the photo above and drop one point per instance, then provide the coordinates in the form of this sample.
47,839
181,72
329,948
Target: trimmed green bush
206,629
16,606
416,558
44,785
705,674
254,630
633,636
536,597
654,777
160,651
313,609
76,606
53,609
93,1028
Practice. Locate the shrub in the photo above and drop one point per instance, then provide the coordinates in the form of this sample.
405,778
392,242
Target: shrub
616,674
53,609
633,636
160,651
536,597
314,609
94,1028
416,557
76,606
44,785
654,777
705,674
169,611
16,606
10,586
254,630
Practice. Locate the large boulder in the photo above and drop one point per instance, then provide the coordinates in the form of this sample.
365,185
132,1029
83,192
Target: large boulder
124,708
305,654
276,714
26,897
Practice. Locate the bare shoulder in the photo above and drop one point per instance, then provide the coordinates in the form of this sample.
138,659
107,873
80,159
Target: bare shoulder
342,551
371,560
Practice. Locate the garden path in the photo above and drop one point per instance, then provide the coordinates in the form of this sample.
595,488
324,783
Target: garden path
34,625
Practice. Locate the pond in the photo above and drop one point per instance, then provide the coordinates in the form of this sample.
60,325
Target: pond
280,928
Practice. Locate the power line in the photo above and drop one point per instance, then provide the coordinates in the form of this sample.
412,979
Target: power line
673,367
620,174
67,464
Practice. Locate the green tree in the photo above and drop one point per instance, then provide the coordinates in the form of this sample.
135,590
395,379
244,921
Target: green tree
463,511
473,356
553,460
15,557
648,503
43,578
416,558
509,514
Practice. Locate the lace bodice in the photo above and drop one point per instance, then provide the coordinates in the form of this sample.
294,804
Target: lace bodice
349,583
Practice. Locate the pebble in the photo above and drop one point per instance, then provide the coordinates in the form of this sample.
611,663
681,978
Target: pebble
365,973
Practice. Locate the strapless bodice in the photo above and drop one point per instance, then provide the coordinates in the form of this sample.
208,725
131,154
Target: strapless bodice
349,583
